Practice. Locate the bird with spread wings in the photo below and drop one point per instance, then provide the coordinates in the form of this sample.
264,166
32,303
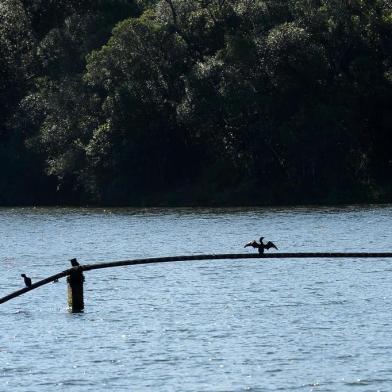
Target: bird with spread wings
261,246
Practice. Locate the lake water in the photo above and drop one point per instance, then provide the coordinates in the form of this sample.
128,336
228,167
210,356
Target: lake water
236,325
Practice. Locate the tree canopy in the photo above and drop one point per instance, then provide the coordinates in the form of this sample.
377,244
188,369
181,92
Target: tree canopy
213,102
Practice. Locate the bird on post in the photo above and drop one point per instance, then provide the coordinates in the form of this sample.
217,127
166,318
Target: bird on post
27,280
75,263
261,246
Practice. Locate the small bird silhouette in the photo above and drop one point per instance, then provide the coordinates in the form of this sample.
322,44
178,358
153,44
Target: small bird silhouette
261,246
27,280
74,262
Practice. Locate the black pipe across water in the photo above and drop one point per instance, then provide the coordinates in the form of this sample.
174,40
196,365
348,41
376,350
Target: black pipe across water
90,267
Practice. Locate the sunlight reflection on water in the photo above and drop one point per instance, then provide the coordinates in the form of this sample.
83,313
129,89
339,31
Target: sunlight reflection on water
224,326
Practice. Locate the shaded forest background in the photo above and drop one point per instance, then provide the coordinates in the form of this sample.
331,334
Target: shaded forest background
195,102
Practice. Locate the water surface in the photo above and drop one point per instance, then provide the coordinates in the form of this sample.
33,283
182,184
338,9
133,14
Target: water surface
234,325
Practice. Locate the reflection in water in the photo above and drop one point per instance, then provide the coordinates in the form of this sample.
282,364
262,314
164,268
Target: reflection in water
202,326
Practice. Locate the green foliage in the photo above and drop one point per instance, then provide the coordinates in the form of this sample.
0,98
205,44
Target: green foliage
207,101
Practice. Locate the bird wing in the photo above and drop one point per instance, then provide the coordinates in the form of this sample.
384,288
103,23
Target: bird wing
253,244
270,244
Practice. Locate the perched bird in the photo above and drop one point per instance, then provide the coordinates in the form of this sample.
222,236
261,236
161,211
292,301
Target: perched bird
27,280
261,246
74,262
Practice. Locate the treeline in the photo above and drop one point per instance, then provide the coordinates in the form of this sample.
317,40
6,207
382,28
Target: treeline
209,102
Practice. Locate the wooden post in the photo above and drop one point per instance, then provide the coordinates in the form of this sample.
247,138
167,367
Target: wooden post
75,290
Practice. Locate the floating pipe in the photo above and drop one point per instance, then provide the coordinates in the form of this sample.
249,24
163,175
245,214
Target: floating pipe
90,267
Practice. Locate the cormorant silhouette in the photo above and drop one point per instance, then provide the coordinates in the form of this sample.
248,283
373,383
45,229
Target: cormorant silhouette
261,246
74,262
27,280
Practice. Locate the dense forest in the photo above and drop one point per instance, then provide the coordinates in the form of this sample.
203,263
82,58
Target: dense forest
195,102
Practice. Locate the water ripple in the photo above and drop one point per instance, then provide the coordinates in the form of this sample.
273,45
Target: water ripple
276,325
